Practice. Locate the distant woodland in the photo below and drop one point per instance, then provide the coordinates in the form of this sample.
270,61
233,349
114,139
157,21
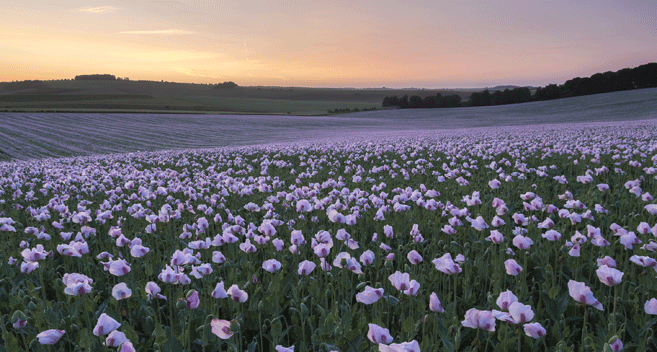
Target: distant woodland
644,76
104,77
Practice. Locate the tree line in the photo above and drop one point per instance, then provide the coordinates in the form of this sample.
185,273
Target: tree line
644,76
225,85
417,102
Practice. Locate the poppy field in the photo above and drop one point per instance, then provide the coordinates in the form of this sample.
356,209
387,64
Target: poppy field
495,239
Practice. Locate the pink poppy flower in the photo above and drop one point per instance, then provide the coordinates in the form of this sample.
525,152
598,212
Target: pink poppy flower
512,267
321,250
551,235
448,229
387,231
221,328
414,257
236,294
192,300
607,260
505,300
494,184
644,261
306,267
367,258
651,208
582,294
115,339
19,324
434,303
118,267
401,281
50,337
377,334
522,242
304,206
105,325
534,330
412,346
497,221
413,289
127,347
28,267
617,345
521,313
296,238
446,265
479,319
153,290
369,295
609,276
121,291
650,307
495,237
219,291
271,265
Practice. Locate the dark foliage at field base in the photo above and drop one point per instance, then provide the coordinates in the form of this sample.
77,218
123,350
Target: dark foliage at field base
644,76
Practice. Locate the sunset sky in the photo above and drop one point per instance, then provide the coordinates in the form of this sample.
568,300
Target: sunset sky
343,43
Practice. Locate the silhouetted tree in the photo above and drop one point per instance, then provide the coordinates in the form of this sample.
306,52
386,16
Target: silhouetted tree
403,102
229,84
551,91
415,102
645,76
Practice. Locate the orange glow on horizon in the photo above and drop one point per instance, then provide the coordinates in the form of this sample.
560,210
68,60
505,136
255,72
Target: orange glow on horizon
342,44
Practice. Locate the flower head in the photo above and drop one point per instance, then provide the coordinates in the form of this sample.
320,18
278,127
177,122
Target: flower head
221,328
582,294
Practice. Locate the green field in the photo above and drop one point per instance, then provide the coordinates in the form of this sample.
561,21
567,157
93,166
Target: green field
150,96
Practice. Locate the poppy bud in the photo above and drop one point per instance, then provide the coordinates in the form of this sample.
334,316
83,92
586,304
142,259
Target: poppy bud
18,315
74,328
304,309
361,277
34,345
407,268
388,264
261,306
361,286
181,304
31,306
234,326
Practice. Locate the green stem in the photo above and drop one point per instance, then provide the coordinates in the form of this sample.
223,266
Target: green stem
260,327
584,328
520,343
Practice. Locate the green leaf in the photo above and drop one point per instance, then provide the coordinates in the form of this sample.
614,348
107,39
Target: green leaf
159,334
252,346
409,325
172,343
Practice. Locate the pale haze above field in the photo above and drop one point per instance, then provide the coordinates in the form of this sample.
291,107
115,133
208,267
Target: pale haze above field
348,43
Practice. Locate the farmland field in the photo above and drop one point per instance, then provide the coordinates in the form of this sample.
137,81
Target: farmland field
518,228
32,135
167,97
